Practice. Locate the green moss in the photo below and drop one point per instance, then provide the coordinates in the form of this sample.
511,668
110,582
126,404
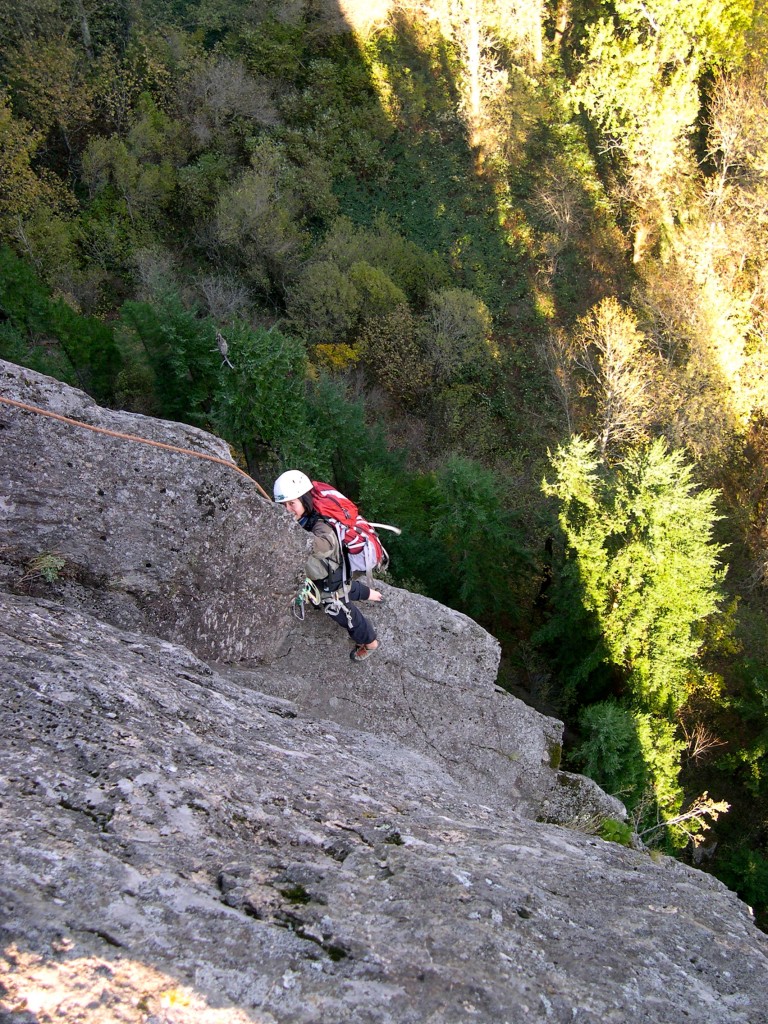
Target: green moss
296,894
555,755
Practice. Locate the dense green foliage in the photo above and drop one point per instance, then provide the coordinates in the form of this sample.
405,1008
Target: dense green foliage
641,560
642,568
46,334
435,247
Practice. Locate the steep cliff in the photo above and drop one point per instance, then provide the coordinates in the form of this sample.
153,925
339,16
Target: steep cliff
181,843
160,540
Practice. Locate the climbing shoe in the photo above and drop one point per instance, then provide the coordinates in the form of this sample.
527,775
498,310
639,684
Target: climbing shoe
361,653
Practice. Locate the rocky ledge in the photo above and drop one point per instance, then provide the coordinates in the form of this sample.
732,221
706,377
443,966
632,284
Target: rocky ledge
211,817
182,849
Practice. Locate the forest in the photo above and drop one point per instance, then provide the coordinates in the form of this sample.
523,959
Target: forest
498,271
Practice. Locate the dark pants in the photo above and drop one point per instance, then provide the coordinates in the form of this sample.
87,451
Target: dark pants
351,618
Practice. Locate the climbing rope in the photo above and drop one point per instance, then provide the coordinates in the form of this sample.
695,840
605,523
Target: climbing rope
133,437
307,592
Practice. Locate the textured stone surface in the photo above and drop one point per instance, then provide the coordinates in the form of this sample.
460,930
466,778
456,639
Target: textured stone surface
431,688
187,550
171,544
177,848
286,838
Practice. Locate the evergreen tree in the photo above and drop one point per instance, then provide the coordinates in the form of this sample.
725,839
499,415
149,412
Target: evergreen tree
610,752
640,539
478,533
346,445
260,399
48,335
180,349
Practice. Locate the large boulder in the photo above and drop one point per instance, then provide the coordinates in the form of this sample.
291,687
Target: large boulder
146,537
178,848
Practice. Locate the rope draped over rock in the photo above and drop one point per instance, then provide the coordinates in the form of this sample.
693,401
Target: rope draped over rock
133,437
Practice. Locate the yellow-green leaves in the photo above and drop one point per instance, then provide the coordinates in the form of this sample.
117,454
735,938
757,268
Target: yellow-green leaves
640,540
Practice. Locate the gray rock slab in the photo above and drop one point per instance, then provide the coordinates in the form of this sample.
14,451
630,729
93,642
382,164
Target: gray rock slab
186,549
176,847
171,544
431,687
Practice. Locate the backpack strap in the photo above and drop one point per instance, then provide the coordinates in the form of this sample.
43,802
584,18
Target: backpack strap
346,569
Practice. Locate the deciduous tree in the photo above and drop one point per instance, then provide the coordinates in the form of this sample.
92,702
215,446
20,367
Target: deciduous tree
603,372
639,82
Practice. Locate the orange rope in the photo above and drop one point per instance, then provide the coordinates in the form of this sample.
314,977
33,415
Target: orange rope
134,437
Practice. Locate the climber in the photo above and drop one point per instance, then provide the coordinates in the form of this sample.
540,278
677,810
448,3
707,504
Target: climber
325,565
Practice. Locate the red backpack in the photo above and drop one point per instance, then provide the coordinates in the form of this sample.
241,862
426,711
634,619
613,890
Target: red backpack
365,550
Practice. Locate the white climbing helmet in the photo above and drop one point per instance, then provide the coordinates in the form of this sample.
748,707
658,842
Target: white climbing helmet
291,484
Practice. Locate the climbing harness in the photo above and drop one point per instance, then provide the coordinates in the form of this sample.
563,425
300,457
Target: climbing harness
336,606
332,604
133,437
307,592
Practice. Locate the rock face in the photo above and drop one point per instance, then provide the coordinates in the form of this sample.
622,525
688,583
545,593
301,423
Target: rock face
186,549
431,688
152,539
177,848
249,828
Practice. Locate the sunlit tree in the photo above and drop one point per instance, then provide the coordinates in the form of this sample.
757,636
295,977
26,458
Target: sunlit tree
641,556
603,372
639,83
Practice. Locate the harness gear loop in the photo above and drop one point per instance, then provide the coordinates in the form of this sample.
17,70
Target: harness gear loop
307,592
335,606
